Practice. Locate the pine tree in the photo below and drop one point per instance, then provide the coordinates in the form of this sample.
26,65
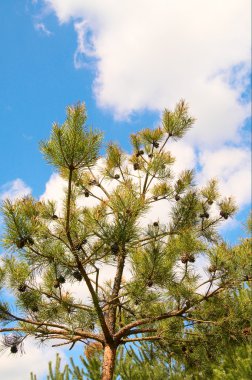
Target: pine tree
163,300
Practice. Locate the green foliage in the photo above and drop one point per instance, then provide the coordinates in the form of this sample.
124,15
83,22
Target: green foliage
210,192
114,159
177,123
71,146
236,364
153,362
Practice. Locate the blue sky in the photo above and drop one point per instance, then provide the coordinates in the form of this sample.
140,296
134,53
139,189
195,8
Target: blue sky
38,80
127,61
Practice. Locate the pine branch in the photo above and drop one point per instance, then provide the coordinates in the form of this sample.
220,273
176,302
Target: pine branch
147,338
10,329
116,288
126,329
140,331
147,176
80,266
200,321
63,330
95,299
68,207
100,186
176,313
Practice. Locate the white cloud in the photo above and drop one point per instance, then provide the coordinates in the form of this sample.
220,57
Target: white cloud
55,190
35,359
184,154
42,28
14,189
150,54
232,167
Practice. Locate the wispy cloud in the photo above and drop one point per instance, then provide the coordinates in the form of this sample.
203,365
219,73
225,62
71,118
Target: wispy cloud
42,28
85,46
14,190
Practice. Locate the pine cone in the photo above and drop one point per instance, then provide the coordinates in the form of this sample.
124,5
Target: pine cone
30,240
115,248
56,284
77,275
14,349
224,214
184,258
212,268
204,215
139,153
61,279
191,259
20,243
22,288
177,198
35,309
149,283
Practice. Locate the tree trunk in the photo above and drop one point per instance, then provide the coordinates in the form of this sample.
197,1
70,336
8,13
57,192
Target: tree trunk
108,365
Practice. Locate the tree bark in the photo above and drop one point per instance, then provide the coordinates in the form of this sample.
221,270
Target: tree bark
108,365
